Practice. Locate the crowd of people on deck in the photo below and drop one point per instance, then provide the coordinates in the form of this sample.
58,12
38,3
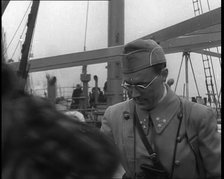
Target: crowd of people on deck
96,96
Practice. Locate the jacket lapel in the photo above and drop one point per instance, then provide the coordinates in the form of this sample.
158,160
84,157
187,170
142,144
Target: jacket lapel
165,111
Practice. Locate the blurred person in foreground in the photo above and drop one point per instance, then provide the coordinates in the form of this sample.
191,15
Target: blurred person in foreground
160,135
39,142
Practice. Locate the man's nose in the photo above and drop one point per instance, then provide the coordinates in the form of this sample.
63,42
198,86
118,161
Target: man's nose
135,93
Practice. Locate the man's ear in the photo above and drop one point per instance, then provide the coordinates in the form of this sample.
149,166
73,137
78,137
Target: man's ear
164,74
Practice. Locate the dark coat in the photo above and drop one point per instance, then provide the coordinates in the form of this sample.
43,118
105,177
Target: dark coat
198,118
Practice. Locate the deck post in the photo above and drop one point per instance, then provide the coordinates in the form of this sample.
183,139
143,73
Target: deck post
115,37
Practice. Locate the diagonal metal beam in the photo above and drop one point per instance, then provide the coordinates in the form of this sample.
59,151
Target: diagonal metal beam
189,47
205,20
211,29
74,59
190,43
205,52
169,39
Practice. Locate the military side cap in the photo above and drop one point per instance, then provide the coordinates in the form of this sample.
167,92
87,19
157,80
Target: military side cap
142,54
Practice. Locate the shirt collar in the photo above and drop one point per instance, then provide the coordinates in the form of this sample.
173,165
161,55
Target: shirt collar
164,112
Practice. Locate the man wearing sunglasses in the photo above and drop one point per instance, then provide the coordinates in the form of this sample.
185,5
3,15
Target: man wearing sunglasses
159,134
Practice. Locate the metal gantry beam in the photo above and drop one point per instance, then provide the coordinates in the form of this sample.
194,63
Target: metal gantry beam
205,52
211,29
200,22
184,36
190,43
74,59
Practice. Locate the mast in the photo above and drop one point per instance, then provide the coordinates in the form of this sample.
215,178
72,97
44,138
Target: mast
23,66
4,5
115,37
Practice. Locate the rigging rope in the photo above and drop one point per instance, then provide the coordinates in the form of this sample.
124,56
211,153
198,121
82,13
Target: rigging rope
218,94
194,76
17,29
211,62
213,71
18,42
216,47
31,44
201,7
208,5
179,72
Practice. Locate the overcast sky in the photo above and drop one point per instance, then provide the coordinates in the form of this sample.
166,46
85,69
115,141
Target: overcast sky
60,29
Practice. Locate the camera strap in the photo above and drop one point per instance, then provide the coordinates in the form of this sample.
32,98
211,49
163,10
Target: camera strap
152,155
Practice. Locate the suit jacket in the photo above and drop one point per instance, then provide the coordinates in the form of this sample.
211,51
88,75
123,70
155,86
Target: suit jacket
117,123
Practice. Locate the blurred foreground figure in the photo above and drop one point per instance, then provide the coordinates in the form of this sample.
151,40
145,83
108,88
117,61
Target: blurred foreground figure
39,142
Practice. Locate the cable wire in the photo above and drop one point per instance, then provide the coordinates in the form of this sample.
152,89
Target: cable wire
208,5
201,7
194,76
18,42
178,76
17,29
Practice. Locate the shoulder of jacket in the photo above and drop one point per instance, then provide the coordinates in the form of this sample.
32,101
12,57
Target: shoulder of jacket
114,109
196,108
119,105
197,115
199,111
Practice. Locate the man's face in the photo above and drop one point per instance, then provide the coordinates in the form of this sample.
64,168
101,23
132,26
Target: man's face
149,96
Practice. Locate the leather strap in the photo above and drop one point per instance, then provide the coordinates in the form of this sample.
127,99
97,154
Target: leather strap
153,156
192,140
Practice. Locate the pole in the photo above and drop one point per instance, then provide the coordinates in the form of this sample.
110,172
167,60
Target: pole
115,37
85,78
23,66
186,54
